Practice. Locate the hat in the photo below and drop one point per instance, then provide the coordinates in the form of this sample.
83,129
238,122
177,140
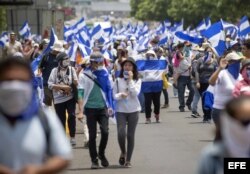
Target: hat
96,57
151,52
233,56
132,38
195,48
62,56
45,41
58,46
36,45
205,45
245,63
12,33
131,60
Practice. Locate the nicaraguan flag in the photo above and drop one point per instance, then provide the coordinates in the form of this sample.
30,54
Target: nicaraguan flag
25,32
208,22
167,23
72,51
68,33
4,38
97,32
37,60
202,26
216,37
244,27
151,71
186,37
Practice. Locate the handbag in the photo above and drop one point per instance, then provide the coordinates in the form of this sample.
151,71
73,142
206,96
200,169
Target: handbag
74,88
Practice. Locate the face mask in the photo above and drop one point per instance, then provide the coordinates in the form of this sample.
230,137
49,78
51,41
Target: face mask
15,97
100,67
65,63
236,137
208,57
234,69
125,74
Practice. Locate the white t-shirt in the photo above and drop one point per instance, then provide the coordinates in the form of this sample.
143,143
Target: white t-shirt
25,142
223,89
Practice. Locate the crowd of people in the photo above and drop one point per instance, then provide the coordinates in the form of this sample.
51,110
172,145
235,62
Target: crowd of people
95,87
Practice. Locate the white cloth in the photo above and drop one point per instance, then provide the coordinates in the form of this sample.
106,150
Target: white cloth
25,142
223,89
131,103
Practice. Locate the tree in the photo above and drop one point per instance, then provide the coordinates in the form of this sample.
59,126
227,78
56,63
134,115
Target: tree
3,22
193,11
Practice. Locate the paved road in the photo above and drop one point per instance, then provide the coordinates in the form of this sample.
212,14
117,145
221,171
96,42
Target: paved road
171,147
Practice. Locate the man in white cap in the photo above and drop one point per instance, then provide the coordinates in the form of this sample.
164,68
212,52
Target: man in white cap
49,62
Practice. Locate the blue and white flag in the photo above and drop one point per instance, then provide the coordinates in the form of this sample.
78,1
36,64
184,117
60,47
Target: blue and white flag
97,32
202,26
186,37
216,37
73,51
25,32
167,23
4,38
53,39
244,27
208,22
163,39
151,71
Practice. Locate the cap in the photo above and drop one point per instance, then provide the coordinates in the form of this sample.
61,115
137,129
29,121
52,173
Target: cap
62,56
233,56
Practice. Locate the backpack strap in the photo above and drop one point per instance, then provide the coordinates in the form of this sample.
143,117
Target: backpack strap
45,124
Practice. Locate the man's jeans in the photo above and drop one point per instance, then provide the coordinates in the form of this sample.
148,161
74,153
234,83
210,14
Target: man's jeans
195,99
95,116
184,81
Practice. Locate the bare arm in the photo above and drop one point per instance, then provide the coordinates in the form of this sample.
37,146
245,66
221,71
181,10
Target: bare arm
52,166
214,77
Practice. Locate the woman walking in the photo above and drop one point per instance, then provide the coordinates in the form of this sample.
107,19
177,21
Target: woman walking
126,89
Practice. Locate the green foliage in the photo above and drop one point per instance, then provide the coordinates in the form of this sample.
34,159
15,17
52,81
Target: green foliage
193,11
3,22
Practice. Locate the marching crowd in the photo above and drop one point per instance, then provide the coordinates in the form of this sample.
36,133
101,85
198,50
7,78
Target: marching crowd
97,87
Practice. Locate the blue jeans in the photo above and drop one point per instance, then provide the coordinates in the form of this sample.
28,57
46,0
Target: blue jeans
184,81
195,99
142,101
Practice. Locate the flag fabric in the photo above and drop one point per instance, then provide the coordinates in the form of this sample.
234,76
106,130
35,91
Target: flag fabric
244,27
151,71
186,37
202,26
25,32
4,38
216,37
97,32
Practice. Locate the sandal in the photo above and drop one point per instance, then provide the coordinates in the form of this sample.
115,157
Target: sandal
122,161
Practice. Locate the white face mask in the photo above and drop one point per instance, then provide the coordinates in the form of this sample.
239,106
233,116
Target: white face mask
15,97
100,67
125,74
65,63
236,137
